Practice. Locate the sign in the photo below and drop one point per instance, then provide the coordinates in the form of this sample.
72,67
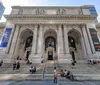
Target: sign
5,38
95,39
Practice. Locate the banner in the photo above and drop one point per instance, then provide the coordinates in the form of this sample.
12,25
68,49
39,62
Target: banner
6,37
95,39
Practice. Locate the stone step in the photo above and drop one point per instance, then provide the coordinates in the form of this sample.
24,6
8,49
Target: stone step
79,77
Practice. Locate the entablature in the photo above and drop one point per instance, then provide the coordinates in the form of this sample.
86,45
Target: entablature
50,17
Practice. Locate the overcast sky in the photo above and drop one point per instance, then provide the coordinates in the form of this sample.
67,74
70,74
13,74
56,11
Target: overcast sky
9,3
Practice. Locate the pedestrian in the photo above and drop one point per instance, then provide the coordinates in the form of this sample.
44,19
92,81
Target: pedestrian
31,68
18,65
55,77
73,64
14,66
42,59
1,62
65,72
62,74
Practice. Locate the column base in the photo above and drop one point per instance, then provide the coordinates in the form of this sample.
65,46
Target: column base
35,58
7,58
95,56
64,58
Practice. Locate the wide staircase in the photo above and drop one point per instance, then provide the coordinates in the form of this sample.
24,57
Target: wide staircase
45,70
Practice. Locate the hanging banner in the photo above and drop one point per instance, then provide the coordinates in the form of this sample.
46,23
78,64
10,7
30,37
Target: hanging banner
5,37
95,39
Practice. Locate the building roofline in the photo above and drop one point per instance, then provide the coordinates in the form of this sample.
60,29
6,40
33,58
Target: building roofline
50,7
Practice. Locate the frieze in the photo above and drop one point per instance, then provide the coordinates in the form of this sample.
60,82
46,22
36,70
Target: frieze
50,17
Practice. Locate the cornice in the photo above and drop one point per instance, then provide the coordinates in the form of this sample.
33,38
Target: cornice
50,17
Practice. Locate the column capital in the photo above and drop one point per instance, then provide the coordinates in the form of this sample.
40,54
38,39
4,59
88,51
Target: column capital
59,26
35,26
41,25
82,25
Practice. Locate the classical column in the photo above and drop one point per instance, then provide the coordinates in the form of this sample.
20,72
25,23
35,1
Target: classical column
88,48
60,40
40,40
62,57
66,42
16,52
66,39
89,36
14,40
37,44
33,52
84,49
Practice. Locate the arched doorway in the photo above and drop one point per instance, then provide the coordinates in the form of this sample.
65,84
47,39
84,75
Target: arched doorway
25,45
74,38
50,38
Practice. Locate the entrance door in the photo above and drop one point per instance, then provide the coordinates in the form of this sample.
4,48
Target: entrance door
50,55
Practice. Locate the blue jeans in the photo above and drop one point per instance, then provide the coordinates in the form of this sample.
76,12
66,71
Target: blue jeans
55,80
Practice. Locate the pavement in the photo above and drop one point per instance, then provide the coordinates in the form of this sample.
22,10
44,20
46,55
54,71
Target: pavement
48,83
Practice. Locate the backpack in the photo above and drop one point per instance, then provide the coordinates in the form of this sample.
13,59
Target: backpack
55,76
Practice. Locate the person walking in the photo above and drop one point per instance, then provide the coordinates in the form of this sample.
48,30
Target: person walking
1,62
42,59
55,77
14,66
18,65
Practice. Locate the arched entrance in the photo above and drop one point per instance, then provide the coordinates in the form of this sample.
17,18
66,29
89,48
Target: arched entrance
75,47
50,38
25,45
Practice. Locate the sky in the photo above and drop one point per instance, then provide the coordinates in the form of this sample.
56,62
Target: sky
9,3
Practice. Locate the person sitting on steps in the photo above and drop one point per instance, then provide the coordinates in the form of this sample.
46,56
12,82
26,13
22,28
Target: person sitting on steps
32,69
62,74
70,76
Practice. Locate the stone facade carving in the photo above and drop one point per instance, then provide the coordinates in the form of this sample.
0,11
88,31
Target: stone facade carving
40,11
61,11
20,11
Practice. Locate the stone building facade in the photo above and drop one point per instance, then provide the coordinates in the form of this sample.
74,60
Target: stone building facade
49,31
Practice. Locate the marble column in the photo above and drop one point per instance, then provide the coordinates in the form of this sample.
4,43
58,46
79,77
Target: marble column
33,51
66,42
40,40
88,33
66,39
14,40
60,40
88,48
62,57
36,56
83,43
33,57
13,44
16,52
